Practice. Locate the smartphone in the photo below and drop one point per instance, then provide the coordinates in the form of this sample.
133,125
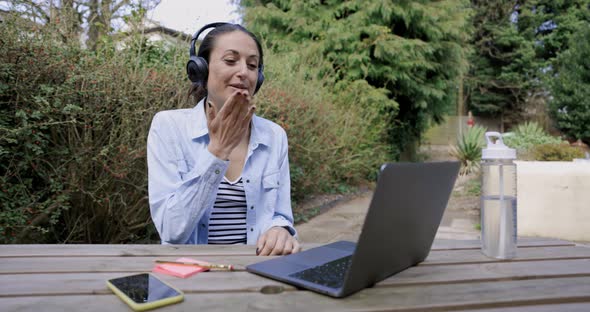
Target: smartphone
144,291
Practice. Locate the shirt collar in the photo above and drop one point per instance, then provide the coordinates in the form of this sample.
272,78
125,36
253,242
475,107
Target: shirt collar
259,134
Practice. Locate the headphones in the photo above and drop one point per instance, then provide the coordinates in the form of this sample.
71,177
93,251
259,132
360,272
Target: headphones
197,68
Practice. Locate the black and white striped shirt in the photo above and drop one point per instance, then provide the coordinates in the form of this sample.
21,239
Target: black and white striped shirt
227,223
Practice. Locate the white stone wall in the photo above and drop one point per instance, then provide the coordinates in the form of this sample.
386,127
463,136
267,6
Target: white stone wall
554,199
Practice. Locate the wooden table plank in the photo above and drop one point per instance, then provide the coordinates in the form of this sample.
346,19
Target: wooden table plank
463,256
94,283
89,283
411,298
523,242
106,264
547,275
211,250
496,271
145,263
124,250
564,307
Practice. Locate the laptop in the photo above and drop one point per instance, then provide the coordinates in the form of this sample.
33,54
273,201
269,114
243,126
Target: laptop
399,228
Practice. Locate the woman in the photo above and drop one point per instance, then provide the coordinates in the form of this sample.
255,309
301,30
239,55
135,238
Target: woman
219,174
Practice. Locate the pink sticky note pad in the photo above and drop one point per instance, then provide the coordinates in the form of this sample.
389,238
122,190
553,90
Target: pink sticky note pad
180,270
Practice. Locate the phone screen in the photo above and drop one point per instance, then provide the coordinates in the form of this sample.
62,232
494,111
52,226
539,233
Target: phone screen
144,288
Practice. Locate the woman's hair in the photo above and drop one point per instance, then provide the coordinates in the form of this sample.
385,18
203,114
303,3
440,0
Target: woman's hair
199,91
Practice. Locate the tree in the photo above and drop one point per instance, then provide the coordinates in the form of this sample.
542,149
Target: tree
498,81
98,16
401,58
570,88
549,24
515,47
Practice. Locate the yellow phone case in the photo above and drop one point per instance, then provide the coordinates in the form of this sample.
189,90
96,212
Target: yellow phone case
150,305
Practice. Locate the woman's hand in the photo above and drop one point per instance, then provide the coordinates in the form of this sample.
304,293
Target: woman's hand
228,126
277,241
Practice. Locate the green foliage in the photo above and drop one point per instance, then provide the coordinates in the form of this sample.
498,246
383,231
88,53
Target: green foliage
515,50
74,123
328,145
304,216
400,59
570,105
528,135
73,127
549,24
474,187
530,129
468,149
556,152
502,58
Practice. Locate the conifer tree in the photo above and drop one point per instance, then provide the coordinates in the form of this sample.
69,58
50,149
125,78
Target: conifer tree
497,83
570,88
402,58
549,24
515,48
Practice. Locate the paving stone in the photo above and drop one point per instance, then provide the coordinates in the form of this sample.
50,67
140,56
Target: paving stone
344,220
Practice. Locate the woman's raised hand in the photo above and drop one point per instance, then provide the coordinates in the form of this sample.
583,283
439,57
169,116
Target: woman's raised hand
229,126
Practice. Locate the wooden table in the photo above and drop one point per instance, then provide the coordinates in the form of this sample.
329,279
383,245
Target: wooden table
548,275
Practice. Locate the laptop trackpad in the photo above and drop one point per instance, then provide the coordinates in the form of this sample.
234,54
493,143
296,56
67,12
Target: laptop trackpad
305,259
322,254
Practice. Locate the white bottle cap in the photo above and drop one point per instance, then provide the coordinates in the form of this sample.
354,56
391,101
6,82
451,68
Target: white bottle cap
497,150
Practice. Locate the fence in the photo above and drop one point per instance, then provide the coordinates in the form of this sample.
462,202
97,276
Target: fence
454,126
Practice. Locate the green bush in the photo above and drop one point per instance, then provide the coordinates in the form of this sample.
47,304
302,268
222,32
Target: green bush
74,123
328,145
556,152
528,135
468,149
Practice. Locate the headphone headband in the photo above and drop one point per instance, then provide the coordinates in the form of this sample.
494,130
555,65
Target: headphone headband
198,33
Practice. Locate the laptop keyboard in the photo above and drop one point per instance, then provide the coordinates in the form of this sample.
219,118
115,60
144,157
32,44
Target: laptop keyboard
330,274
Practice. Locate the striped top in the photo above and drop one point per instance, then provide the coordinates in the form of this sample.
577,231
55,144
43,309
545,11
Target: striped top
227,223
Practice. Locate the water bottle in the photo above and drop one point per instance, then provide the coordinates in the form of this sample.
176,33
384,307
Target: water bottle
498,199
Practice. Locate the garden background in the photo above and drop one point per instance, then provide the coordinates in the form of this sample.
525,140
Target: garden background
354,83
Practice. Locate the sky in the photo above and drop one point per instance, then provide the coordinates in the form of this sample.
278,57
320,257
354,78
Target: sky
190,15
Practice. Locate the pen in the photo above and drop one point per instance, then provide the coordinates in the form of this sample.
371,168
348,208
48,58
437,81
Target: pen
202,265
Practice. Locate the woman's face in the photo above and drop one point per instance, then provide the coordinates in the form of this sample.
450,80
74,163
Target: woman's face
233,65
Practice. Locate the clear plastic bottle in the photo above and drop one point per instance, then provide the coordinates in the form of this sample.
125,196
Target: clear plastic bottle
498,199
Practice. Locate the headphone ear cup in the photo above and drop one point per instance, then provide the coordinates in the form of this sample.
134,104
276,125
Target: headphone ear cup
197,70
260,79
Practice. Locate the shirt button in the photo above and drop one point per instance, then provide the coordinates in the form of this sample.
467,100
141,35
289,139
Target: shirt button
251,229
247,181
278,183
216,171
202,224
251,207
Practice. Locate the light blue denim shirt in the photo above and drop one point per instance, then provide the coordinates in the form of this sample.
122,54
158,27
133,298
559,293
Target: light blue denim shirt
184,177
